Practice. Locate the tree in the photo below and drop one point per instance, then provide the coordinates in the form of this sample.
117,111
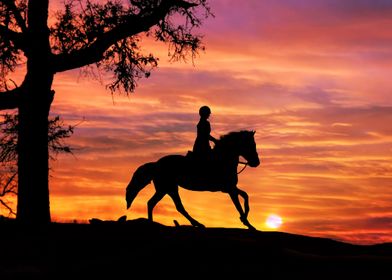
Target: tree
85,33
57,133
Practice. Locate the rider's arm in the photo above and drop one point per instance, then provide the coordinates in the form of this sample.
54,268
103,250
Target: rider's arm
213,139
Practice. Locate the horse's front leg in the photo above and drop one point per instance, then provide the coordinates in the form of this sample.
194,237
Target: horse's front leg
246,201
243,217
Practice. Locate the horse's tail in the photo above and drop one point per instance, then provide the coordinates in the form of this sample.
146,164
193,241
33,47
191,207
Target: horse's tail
141,178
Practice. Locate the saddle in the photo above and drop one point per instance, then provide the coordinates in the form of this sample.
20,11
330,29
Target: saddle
202,164
196,158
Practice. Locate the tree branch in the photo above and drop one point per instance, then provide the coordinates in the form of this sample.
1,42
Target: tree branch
10,99
16,37
8,188
133,24
18,17
8,207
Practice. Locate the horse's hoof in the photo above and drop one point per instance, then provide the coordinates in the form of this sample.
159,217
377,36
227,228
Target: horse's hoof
245,221
252,228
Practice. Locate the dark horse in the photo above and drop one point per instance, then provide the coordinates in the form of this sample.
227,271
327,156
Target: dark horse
216,174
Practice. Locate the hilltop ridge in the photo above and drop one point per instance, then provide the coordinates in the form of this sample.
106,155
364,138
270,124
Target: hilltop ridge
138,247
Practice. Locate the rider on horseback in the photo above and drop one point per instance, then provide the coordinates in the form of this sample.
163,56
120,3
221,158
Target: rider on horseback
201,147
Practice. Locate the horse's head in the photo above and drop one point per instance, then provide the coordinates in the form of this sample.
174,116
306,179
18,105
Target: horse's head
247,148
240,143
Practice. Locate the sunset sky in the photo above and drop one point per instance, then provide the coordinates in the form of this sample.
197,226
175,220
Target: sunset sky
313,78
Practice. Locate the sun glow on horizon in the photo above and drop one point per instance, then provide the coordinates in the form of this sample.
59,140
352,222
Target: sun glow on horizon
273,221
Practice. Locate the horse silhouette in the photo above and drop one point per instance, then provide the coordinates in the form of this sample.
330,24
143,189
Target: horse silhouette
219,173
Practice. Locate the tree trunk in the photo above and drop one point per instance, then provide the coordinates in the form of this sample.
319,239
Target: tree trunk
33,158
33,166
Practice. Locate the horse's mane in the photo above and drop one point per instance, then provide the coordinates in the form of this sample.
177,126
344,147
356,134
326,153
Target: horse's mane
230,138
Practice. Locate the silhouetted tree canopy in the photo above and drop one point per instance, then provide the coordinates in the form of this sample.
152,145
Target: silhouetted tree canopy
108,35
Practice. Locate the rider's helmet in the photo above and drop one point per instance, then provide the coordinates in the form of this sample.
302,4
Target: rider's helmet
204,111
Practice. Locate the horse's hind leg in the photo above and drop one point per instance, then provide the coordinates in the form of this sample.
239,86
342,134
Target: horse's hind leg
180,208
153,201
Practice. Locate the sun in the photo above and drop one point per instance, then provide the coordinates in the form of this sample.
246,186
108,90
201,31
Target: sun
273,221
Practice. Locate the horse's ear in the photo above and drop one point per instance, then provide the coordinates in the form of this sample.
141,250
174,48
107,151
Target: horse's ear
253,131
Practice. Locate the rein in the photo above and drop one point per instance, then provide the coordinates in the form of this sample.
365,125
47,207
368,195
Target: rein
243,168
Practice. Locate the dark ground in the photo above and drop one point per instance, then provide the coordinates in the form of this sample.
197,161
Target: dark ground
138,249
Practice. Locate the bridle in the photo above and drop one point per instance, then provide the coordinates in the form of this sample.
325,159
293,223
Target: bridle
243,168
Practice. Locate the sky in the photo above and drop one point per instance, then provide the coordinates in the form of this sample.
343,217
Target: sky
311,77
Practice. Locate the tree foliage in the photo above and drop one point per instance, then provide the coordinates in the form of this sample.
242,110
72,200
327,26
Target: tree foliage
85,24
108,35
